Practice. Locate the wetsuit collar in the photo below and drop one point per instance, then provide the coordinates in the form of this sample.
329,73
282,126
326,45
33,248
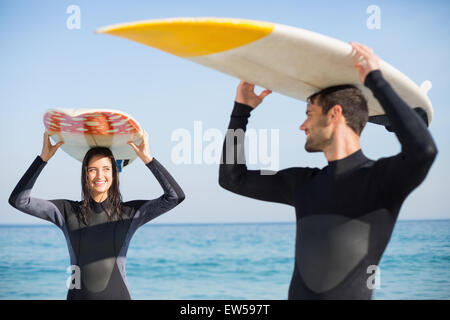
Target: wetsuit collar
99,207
346,164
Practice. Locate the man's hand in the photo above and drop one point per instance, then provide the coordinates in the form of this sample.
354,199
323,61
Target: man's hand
246,94
365,60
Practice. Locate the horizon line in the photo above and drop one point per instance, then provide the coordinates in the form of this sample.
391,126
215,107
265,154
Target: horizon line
199,223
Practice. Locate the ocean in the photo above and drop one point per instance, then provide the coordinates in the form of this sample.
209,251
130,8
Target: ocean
220,261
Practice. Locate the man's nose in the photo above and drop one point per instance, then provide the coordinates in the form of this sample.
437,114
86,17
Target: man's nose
302,126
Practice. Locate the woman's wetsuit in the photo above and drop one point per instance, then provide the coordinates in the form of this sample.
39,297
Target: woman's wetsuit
345,211
99,249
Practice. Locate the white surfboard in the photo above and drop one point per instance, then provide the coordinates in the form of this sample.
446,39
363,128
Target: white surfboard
292,61
82,129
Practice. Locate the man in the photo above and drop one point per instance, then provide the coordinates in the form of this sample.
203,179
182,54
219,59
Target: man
346,211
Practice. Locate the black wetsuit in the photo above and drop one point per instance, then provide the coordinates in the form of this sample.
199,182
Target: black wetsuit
346,211
98,249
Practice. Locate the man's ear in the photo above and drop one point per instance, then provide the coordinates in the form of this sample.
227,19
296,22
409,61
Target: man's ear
335,112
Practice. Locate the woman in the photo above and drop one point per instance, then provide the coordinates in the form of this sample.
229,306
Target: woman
99,228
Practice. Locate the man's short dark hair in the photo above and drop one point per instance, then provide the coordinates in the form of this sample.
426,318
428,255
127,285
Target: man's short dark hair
352,100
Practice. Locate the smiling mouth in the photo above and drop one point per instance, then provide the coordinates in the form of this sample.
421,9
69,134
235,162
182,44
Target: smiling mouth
99,183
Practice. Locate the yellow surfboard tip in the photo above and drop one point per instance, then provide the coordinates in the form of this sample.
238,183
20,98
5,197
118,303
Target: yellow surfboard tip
190,37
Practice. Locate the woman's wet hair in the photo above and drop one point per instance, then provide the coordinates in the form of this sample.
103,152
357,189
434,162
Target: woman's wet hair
352,100
113,204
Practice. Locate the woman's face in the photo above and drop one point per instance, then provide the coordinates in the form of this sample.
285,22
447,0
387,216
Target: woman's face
100,177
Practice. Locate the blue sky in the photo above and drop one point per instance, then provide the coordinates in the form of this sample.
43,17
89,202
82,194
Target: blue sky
45,65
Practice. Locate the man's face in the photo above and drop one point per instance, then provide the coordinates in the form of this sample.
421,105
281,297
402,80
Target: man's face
319,133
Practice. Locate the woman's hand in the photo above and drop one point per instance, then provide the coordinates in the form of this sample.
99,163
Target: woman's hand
246,94
365,60
48,150
142,150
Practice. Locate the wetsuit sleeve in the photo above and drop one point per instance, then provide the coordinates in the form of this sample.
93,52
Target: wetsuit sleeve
173,195
400,174
235,177
21,200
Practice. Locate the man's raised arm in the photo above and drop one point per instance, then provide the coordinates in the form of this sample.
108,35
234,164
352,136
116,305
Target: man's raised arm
233,173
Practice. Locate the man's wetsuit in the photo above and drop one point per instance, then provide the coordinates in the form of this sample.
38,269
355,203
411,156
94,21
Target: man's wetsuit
346,211
98,249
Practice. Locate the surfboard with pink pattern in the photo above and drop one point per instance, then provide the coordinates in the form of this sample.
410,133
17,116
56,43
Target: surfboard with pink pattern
82,129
